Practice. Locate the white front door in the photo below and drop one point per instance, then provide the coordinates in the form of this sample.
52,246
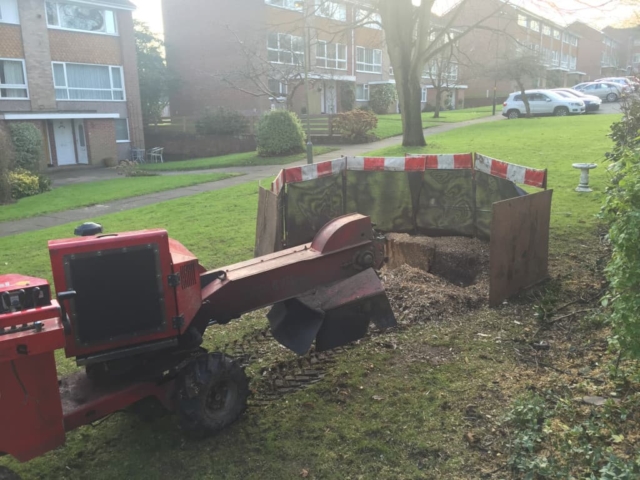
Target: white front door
63,136
81,142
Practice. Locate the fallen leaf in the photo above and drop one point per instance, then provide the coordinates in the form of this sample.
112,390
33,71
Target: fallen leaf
377,398
304,473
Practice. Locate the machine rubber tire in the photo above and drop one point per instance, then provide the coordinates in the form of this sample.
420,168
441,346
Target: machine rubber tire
612,97
212,393
513,114
6,474
561,112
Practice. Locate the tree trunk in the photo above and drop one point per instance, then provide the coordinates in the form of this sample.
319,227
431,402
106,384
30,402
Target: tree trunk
436,113
527,107
410,96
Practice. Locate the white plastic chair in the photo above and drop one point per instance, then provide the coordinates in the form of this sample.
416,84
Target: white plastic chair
138,155
155,154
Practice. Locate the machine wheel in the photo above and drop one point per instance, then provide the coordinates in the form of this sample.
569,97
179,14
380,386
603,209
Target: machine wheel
561,112
212,393
612,97
513,114
6,474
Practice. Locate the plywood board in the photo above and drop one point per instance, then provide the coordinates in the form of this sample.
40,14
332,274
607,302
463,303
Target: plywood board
269,223
519,244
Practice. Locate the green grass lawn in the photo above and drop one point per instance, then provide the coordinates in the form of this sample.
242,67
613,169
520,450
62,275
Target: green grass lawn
383,410
247,159
87,194
552,143
391,125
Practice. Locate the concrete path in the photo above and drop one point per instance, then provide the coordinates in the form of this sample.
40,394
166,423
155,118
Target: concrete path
250,174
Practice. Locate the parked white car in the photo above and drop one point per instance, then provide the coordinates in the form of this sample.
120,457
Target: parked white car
542,102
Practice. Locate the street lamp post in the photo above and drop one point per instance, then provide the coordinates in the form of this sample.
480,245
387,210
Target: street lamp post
307,62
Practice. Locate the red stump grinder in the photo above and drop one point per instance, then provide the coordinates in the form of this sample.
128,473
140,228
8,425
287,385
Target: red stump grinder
131,308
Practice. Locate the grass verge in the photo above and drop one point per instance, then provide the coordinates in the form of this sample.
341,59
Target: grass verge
247,159
391,125
385,409
88,194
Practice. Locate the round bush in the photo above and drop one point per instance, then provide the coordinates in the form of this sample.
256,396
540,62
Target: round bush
280,133
23,184
27,144
382,97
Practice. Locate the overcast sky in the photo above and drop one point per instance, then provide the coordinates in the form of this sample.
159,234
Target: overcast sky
564,11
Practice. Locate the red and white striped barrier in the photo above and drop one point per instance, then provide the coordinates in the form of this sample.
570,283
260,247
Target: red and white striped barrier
412,163
456,161
511,172
381,164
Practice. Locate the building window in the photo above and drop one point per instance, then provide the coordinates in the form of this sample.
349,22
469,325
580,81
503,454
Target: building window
368,19
522,20
81,18
368,60
636,42
9,11
79,81
636,58
122,130
285,48
546,30
278,88
565,61
362,92
556,34
573,63
329,55
573,40
424,95
555,58
13,79
288,4
534,25
333,10
565,37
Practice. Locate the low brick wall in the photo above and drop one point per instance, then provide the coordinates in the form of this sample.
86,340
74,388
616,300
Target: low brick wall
184,146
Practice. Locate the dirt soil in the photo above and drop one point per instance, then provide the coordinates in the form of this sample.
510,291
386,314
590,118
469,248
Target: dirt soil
417,295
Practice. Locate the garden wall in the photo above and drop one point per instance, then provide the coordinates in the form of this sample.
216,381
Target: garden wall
184,145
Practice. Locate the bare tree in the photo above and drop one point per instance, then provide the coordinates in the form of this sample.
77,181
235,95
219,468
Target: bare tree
442,70
414,36
521,65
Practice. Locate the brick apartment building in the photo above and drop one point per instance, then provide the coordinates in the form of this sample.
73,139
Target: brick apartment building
69,67
203,44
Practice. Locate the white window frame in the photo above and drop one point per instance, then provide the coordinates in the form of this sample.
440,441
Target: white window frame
546,30
326,59
523,21
9,15
293,52
361,66
556,34
337,11
365,90
286,4
369,17
283,88
573,40
67,88
424,97
534,25
565,37
104,9
16,86
636,58
128,140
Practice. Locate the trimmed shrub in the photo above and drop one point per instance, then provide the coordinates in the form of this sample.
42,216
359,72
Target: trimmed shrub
347,97
222,121
382,97
280,133
23,183
27,144
6,162
356,125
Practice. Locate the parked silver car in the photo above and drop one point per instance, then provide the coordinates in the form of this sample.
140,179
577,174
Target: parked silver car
610,92
591,102
623,81
541,102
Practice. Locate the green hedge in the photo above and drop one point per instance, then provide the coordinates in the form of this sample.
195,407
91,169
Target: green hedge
280,133
27,145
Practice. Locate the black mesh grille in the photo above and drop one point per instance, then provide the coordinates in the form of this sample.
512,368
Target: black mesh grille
188,276
119,294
